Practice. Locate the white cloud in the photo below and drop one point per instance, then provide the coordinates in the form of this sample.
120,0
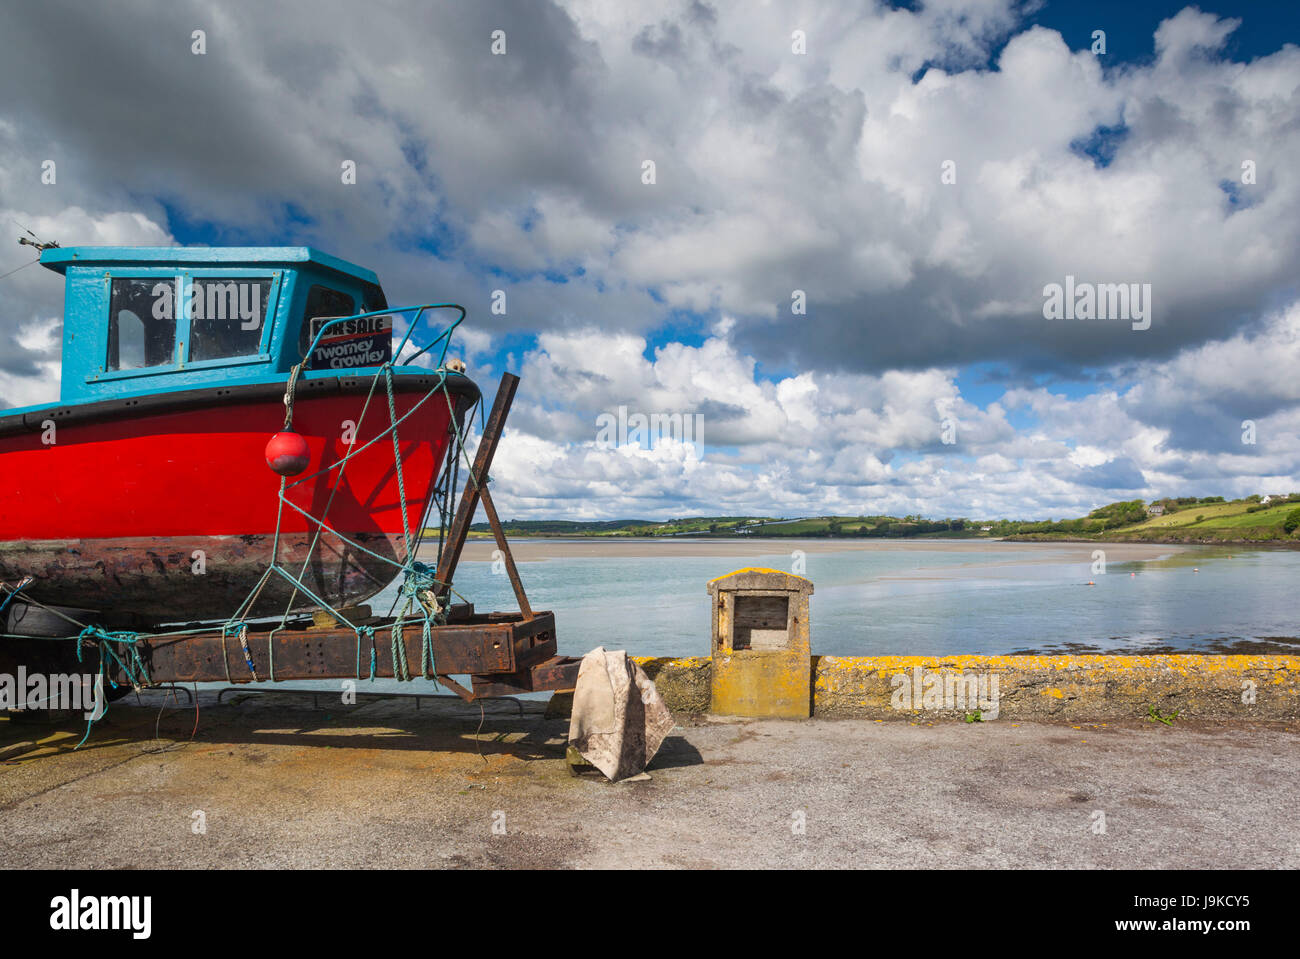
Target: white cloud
819,443
776,172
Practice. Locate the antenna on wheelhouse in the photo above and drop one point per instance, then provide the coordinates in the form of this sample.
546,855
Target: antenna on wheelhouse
36,242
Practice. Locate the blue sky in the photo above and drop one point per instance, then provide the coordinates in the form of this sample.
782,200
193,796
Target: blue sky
1131,24
778,172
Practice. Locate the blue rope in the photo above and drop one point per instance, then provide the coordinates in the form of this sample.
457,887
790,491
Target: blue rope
370,632
419,578
11,595
426,652
128,664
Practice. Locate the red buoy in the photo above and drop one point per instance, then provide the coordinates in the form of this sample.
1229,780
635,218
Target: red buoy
287,453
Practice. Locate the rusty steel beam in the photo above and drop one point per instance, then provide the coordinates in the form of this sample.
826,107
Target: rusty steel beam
484,643
475,483
557,672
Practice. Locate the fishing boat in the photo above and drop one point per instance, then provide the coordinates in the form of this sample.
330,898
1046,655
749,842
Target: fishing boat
222,409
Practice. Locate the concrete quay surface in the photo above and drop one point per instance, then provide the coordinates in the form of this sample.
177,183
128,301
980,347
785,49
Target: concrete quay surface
277,783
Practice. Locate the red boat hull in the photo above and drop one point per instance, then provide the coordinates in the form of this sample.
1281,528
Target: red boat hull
167,512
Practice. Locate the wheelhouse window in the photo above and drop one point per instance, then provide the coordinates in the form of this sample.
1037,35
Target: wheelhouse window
227,316
141,324
322,304
367,341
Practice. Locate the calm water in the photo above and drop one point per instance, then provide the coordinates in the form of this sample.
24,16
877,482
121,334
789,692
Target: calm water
965,598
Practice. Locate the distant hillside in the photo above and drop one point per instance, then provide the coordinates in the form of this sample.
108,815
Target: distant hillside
563,527
1209,519
693,525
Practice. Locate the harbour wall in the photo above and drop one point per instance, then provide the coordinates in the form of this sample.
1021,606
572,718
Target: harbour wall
1072,688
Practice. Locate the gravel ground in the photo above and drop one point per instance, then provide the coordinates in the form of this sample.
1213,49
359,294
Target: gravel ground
279,783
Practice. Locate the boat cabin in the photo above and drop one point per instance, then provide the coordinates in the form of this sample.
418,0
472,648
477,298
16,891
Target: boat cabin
144,320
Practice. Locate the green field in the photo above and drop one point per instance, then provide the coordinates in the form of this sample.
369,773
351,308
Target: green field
1213,513
1222,516
1238,521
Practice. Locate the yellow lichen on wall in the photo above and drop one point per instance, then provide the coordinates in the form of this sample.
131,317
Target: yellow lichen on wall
1075,687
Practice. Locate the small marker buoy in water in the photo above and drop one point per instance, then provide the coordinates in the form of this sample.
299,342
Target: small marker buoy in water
1091,583
287,453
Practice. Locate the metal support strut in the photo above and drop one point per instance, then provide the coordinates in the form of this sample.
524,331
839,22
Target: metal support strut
476,489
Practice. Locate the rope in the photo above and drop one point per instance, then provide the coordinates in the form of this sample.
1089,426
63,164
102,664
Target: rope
397,456
418,591
426,652
288,394
342,465
400,671
23,267
225,657
242,629
132,666
12,594
418,586
370,632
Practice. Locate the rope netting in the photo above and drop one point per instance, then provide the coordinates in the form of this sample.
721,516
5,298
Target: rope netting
417,595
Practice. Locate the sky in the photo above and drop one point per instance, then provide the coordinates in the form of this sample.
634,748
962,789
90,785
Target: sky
841,268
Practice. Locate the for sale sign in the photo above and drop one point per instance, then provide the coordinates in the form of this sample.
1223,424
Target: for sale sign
356,341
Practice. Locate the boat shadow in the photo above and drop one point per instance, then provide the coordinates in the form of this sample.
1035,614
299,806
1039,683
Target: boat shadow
500,729
383,726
